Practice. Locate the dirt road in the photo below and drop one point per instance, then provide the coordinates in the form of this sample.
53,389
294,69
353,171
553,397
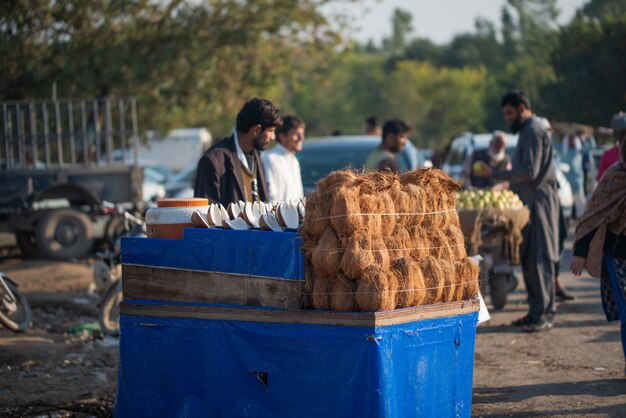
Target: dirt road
576,369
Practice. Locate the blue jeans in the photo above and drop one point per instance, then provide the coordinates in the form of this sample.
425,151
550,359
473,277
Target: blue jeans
614,290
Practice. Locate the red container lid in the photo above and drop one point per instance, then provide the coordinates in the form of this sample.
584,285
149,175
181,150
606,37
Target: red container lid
179,203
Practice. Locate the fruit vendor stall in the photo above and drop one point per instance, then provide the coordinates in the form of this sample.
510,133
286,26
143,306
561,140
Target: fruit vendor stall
360,301
492,223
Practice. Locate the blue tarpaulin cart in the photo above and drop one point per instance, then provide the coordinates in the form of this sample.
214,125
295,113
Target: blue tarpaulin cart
211,328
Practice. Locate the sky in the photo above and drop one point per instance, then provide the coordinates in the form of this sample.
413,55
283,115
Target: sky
438,20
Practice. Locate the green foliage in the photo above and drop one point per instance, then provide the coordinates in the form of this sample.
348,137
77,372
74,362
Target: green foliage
590,64
193,63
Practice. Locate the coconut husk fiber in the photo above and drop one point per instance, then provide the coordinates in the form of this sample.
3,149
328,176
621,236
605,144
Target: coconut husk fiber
403,205
387,206
345,213
451,281
399,243
420,243
430,178
316,219
372,294
456,240
337,179
322,288
357,256
411,285
342,296
375,182
434,279
381,254
467,271
418,206
327,254
370,207
393,281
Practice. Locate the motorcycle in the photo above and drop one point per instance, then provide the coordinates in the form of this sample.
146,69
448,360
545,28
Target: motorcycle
107,272
15,312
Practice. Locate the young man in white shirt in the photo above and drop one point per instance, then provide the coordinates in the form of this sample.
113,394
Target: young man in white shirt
282,168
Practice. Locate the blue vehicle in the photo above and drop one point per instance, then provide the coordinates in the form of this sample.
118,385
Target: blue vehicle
320,156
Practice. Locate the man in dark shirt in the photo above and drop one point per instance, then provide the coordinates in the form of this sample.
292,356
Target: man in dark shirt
232,169
533,178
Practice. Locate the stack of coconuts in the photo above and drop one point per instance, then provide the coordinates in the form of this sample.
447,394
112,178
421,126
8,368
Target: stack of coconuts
379,241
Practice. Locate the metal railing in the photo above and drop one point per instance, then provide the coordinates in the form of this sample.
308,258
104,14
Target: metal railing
63,133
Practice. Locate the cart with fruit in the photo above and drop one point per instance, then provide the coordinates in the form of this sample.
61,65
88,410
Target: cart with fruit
492,223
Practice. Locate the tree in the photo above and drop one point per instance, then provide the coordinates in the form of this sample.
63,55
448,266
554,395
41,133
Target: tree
401,27
591,67
187,62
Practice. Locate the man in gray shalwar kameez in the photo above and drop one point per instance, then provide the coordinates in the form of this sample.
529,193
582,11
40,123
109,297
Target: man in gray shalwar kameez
533,178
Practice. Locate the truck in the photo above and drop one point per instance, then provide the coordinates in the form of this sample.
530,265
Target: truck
57,171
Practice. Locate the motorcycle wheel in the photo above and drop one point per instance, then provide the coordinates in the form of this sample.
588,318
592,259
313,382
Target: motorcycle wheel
15,312
109,315
498,289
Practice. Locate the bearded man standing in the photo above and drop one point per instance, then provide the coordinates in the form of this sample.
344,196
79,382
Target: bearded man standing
533,178
232,169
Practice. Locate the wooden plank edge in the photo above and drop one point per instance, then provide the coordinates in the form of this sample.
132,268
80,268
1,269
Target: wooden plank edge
364,319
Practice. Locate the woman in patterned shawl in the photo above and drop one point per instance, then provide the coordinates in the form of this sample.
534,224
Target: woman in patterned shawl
600,239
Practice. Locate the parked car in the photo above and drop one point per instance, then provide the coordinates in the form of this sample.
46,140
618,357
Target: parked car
319,156
462,146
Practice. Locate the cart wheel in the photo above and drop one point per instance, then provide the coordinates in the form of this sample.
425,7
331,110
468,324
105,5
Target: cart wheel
512,281
114,229
65,233
15,312
498,287
109,315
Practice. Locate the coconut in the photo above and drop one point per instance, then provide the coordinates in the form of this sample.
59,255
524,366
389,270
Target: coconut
378,181
406,290
441,247
393,282
317,211
381,255
357,257
412,290
342,297
370,207
327,254
433,279
372,292
418,207
399,243
322,288
467,271
345,213
336,180
420,243
430,178
456,241
387,206
448,269
403,205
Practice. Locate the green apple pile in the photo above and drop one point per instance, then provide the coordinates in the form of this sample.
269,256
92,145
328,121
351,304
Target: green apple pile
487,199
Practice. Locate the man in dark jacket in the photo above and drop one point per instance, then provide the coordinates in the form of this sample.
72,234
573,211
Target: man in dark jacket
232,169
533,178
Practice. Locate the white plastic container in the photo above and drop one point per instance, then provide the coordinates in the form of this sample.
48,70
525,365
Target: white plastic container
171,216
